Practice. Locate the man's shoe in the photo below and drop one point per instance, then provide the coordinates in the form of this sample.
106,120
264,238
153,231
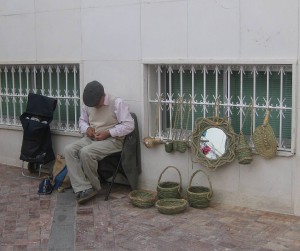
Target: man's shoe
86,195
77,195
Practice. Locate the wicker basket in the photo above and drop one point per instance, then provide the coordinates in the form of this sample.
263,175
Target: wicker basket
169,146
142,198
264,139
199,196
171,206
243,150
180,146
169,189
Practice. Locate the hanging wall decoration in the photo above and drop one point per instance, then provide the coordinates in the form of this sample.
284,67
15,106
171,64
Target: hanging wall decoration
213,141
243,150
264,139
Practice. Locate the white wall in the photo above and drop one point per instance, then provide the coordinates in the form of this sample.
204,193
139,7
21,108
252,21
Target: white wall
111,39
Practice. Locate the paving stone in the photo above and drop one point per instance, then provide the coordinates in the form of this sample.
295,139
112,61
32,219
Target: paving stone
28,221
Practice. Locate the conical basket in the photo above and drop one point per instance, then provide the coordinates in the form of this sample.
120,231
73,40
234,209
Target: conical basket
264,139
243,150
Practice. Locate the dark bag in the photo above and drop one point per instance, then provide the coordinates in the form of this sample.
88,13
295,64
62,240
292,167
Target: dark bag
45,187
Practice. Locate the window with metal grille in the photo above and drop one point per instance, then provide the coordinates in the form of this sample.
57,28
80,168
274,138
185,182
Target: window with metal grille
59,81
178,95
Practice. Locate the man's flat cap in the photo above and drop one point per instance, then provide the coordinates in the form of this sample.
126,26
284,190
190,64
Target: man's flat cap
92,93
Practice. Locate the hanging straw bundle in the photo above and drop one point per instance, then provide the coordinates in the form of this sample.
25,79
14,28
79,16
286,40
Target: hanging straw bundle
243,151
264,139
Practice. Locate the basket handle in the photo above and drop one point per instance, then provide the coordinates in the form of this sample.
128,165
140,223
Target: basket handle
180,179
266,120
209,195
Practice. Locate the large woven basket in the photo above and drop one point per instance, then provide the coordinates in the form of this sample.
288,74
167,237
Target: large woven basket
243,151
264,139
171,206
199,196
142,198
169,189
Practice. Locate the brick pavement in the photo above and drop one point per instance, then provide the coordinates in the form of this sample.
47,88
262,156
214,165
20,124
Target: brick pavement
26,220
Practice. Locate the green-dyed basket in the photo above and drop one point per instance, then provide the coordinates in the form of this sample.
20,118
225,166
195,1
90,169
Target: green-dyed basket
199,196
169,189
243,150
180,146
169,146
171,206
142,198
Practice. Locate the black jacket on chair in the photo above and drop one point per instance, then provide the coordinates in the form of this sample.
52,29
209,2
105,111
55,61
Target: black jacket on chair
130,158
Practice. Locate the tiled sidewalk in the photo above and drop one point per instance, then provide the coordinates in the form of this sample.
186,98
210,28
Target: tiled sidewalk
115,225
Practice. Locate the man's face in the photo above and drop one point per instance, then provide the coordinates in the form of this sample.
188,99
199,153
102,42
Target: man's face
101,102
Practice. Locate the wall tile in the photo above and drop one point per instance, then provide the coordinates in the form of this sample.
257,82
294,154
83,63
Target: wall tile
17,41
121,41
13,7
164,30
268,30
119,78
214,35
58,36
103,3
42,5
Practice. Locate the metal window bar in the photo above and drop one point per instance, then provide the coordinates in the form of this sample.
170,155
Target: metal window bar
192,96
205,102
204,97
170,101
1,95
281,100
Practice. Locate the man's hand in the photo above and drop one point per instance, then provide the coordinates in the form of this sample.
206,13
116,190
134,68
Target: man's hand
102,135
90,132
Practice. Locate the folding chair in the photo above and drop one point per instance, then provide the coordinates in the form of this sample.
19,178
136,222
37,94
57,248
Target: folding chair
37,144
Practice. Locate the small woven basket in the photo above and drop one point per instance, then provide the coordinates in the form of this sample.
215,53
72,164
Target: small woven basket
199,196
171,206
142,198
243,150
264,139
180,146
169,189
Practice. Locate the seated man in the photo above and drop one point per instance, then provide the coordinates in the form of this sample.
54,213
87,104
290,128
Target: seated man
105,120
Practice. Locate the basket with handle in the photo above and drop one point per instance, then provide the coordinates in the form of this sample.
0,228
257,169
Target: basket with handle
169,189
264,139
199,196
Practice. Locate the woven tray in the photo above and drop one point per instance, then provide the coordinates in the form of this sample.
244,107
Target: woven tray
171,206
142,198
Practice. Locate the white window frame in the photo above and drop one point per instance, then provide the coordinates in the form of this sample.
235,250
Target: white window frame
151,72
23,80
